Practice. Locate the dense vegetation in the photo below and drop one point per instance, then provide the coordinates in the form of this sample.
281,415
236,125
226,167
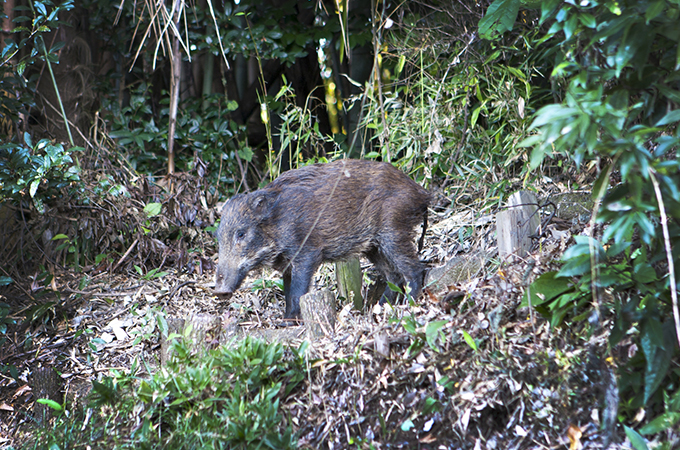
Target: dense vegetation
458,95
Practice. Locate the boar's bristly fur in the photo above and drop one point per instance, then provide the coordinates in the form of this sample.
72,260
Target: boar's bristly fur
319,213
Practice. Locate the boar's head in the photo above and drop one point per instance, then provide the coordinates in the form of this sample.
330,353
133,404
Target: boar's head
243,240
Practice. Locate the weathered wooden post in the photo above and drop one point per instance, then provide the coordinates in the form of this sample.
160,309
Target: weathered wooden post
349,277
516,225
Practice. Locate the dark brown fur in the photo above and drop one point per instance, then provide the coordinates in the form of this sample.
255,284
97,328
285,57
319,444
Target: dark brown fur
324,212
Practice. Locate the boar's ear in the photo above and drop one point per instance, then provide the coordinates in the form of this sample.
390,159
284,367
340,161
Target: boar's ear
261,204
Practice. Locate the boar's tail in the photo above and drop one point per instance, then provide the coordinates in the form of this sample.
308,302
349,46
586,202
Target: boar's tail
421,241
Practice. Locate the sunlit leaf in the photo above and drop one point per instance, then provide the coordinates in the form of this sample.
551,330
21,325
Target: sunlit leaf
637,441
500,17
662,423
51,403
153,209
470,341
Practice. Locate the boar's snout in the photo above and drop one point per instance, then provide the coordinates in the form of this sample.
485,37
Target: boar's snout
222,286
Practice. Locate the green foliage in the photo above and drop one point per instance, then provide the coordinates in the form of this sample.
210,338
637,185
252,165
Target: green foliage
226,398
151,274
666,421
439,118
301,140
618,65
37,172
16,84
206,139
6,320
430,333
637,441
209,138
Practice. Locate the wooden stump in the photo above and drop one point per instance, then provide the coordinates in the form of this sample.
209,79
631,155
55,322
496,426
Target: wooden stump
45,383
516,225
318,313
175,326
349,277
204,333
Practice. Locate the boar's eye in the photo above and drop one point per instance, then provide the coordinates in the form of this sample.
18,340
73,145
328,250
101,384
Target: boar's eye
240,234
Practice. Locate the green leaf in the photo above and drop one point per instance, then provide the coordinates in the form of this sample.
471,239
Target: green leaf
530,141
575,266
671,117
570,26
662,423
51,403
470,341
548,115
636,38
658,360
33,188
400,65
152,209
545,289
499,18
246,153
394,288
4,281
654,9
644,273
475,115
432,331
588,20
637,441
602,183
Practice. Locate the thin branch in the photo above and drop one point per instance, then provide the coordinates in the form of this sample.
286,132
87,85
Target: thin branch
217,31
669,253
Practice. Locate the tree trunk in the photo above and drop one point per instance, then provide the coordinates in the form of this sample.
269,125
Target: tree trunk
47,384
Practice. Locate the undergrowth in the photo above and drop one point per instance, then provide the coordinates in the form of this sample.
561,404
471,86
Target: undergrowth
228,398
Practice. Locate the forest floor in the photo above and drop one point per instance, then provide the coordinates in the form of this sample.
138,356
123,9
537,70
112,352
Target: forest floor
467,366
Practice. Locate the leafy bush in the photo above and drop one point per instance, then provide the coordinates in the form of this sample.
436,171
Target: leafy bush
618,65
27,171
38,172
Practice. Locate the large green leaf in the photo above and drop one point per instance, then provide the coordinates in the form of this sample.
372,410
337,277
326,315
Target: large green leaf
671,117
545,289
662,423
499,18
637,441
657,357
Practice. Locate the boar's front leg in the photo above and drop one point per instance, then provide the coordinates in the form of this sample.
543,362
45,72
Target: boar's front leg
296,280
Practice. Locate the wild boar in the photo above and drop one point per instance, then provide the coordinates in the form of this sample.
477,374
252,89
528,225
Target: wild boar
319,213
